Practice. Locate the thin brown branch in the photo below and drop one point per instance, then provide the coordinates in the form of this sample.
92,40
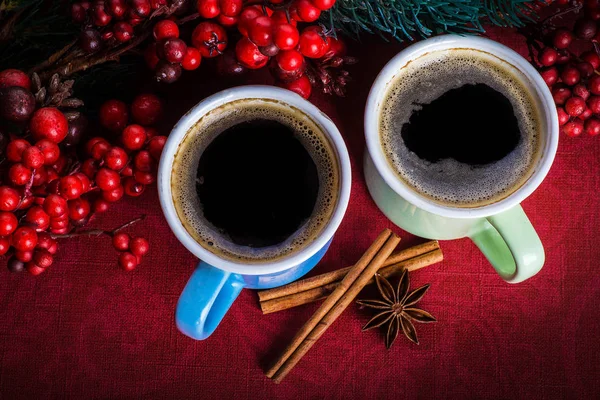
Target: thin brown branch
98,232
54,57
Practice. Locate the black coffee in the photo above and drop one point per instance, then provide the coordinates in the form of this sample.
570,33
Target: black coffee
255,180
257,183
461,127
473,124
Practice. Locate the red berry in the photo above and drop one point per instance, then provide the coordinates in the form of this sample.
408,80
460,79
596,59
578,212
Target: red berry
24,238
50,150
248,54
55,206
70,187
592,126
311,44
4,246
306,11
145,178
573,128
127,261
165,29
46,242
301,86
99,15
290,60
38,217
208,8
575,106
192,59
132,187
548,57
78,13
248,14
226,21
134,137
139,246
14,77
562,38
24,256
146,109
592,58
85,181
560,94
550,75
585,114
323,5
107,179
230,8
8,223
100,205
116,8
594,84
33,157
34,269
156,145
116,158
127,171
143,161
99,150
570,75
209,38
260,31
581,91
120,241
9,198
49,123
15,149
42,258
78,209
150,56
593,102
141,8
19,174
89,168
172,50
123,31
113,195
585,69
286,36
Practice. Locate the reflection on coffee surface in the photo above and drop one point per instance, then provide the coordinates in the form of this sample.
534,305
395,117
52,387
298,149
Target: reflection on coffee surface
255,180
461,128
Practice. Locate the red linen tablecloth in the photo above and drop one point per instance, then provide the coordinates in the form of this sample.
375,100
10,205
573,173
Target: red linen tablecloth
86,329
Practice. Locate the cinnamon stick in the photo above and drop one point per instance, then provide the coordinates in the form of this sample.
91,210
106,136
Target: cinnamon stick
318,293
335,304
337,275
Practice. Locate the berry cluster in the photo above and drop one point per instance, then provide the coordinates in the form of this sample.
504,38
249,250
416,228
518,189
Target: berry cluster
106,21
131,249
46,191
263,35
574,77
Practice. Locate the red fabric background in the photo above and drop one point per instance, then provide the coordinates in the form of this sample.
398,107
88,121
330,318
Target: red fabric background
87,329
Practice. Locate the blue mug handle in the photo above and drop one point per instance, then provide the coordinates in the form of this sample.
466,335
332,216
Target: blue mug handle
205,299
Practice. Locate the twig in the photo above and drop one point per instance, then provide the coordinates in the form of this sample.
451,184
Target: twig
98,232
550,18
53,58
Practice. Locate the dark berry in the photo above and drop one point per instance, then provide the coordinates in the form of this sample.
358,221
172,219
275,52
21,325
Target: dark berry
172,50
76,131
562,38
123,31
90,41
15,265
146,109
114,115
14,77
585,28
585,68
594,84
166,72
16,104
270,50
570,75
227,65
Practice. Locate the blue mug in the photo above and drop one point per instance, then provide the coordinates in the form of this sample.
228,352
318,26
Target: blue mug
217,281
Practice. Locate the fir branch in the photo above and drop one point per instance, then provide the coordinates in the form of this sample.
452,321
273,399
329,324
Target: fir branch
413,19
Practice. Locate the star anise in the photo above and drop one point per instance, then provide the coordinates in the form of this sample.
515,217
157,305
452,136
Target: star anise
398,309
56,93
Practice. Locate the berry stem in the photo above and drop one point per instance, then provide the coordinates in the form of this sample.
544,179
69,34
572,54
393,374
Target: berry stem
98,232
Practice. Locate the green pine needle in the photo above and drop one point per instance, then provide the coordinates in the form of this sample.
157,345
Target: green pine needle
414,19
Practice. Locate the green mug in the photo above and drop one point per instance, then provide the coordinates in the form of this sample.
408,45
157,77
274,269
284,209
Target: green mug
501,230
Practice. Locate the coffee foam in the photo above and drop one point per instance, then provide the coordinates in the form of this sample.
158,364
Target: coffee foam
448,181
185,165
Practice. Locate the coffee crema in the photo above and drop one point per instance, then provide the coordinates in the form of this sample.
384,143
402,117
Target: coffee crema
456,167
223,237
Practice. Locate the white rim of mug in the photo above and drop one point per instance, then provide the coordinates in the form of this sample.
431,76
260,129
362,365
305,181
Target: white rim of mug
445,42
180,130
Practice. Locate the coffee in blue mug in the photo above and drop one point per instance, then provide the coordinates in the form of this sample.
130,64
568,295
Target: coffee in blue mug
254,181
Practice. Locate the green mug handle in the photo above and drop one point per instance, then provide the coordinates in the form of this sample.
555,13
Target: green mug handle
510,243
